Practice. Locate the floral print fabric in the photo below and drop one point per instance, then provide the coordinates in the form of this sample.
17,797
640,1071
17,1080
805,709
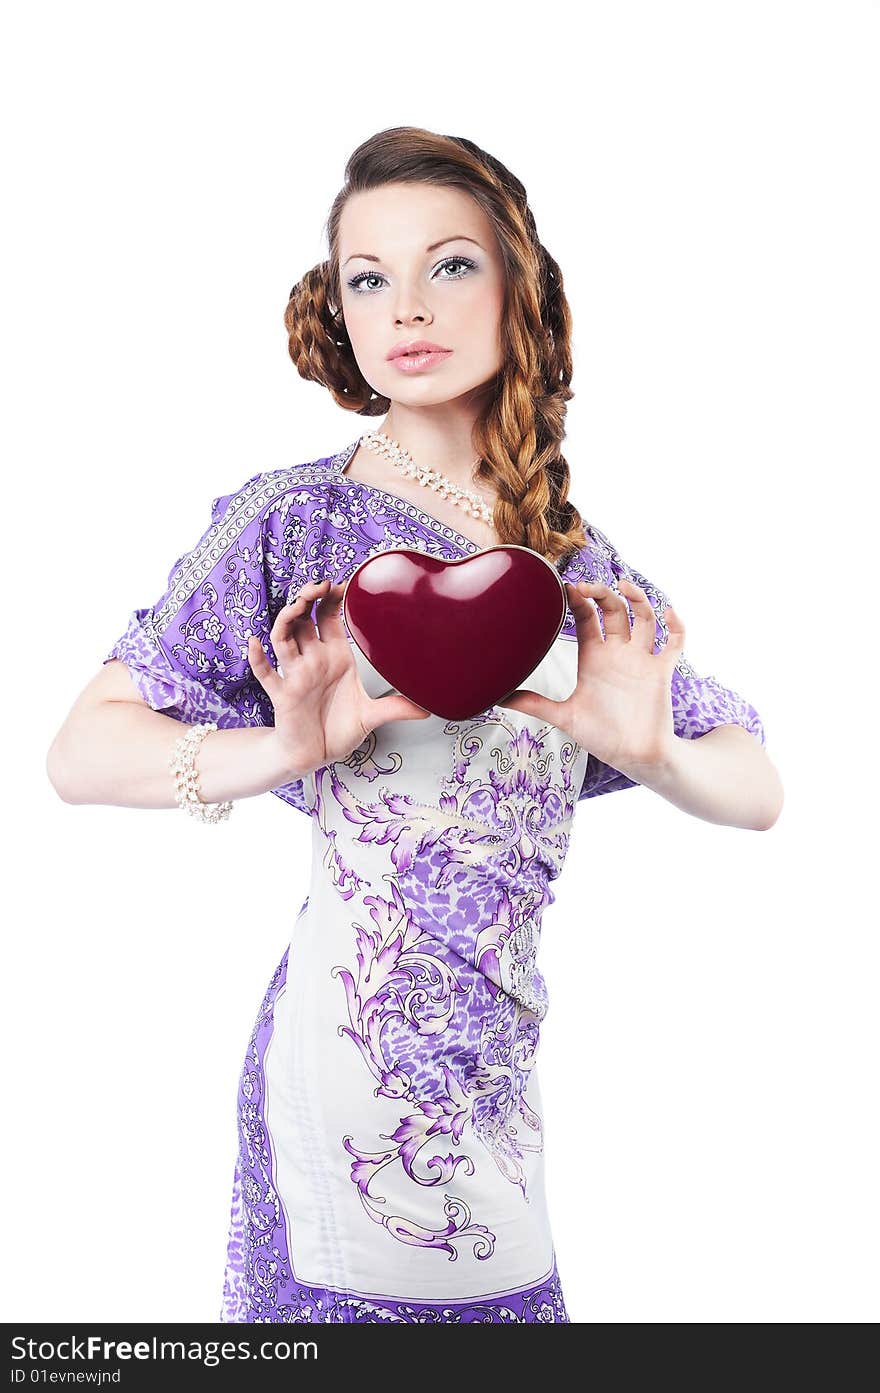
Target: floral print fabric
390,1161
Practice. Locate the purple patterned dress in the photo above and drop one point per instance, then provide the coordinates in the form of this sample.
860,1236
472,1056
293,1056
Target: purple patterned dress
390,1158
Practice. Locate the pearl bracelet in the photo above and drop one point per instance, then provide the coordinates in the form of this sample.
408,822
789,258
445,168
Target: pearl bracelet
184,770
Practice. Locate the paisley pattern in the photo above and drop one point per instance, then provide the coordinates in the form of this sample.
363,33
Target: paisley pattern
390,1160
259,1285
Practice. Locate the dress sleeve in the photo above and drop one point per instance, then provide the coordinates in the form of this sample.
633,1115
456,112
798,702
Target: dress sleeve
699,703
187,652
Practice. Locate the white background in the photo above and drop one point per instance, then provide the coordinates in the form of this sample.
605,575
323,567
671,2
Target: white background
706,176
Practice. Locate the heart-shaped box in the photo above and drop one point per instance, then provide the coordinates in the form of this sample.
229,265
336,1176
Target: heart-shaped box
456,637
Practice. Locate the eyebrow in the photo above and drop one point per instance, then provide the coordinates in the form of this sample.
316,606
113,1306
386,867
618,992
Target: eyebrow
433,247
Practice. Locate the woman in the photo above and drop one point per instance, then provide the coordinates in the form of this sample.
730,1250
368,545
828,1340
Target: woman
390,1163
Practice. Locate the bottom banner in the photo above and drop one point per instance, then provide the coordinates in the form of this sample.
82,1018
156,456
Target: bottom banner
133,1356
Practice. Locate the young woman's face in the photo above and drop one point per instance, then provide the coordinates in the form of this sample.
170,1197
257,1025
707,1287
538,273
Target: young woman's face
419,261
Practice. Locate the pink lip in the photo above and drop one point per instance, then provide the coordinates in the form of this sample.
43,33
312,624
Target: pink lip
417,362
417,346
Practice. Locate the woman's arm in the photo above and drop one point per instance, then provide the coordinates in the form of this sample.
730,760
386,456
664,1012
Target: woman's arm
185,659
716,767
627,710
113,748
116,750
724,776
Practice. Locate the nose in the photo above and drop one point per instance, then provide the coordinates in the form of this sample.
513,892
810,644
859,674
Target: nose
409,307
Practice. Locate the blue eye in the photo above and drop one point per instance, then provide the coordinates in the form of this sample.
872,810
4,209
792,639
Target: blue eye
356,281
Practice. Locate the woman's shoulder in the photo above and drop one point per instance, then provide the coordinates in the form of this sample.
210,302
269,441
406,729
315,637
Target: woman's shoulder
263,491
601,560
599,550
592,561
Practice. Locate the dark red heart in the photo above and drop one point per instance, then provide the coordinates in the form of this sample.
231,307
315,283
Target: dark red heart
456,637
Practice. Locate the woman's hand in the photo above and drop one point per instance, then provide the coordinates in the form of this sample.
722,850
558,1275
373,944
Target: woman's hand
322,712
621,707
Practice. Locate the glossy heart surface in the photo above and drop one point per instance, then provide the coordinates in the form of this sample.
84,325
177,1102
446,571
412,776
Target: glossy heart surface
456,637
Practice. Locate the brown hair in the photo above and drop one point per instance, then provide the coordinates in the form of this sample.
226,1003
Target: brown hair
518,433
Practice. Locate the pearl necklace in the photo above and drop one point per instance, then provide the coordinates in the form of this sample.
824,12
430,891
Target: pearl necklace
471,502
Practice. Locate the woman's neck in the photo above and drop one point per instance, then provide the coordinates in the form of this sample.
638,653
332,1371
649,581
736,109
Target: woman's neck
445,446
